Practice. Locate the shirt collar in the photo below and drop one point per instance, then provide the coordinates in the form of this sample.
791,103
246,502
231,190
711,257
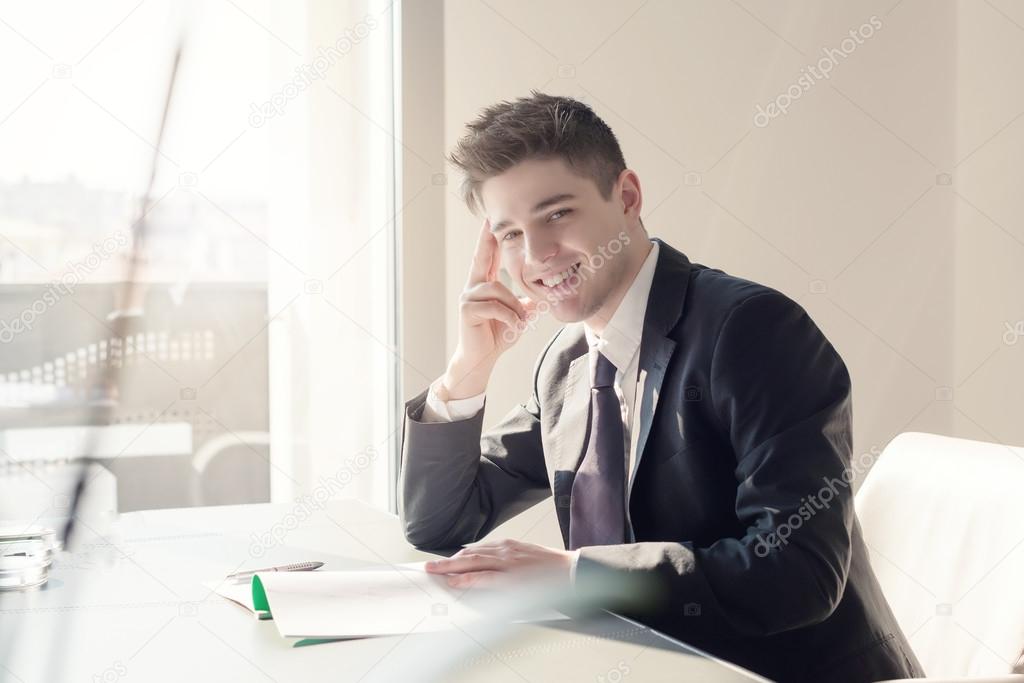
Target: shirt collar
624,329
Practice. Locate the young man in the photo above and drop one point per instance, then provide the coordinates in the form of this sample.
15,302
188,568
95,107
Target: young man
692,427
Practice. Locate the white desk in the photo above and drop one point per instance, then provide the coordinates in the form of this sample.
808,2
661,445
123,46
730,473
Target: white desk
145,616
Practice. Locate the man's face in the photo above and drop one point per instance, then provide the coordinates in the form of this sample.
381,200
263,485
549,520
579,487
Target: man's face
577,234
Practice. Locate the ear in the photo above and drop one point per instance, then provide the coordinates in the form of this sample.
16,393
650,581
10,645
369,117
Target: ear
630,193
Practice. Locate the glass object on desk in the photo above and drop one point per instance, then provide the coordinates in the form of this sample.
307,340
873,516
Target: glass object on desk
26,554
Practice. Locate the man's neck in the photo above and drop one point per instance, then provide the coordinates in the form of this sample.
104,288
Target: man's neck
599,320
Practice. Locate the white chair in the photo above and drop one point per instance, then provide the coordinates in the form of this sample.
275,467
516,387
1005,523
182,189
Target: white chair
943,519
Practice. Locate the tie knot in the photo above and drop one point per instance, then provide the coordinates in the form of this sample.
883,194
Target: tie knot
602,372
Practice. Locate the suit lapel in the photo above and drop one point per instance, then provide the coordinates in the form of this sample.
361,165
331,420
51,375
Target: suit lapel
572,421
653,362
569,432
664,308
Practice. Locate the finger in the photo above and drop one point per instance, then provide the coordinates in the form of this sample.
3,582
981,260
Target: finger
492,274
471,562
491,543
496,290
483,256
528,304
491,310
490,551
481,579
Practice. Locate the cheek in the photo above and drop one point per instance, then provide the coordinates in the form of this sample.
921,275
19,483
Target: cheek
512,261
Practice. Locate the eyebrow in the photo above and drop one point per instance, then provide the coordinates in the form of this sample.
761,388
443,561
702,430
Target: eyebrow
501,225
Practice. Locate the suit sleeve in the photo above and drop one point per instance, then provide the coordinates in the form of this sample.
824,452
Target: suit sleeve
781,395
456,484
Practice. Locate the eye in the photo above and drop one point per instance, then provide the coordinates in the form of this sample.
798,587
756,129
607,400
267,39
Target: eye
510,235
560,211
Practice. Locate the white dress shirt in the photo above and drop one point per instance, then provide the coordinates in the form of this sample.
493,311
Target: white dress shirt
620,344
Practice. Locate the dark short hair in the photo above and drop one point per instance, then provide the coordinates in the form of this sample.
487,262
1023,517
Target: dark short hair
537,127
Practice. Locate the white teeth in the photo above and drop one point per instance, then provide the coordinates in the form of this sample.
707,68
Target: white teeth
557,279
552,281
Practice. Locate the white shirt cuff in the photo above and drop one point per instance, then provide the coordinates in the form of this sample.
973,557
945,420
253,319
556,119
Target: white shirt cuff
572,567
436,410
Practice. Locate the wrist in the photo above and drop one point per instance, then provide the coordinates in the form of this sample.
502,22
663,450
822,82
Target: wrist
460,381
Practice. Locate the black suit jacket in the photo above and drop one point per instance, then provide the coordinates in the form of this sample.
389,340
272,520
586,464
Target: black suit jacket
741,507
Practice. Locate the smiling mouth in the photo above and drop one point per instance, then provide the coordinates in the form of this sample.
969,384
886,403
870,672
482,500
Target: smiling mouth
555,280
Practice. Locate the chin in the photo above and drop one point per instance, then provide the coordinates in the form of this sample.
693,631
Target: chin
568,312
563,316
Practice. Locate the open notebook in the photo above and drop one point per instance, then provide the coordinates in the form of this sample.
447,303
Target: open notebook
382,601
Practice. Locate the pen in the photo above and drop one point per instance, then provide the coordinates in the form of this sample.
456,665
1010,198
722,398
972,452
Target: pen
297,567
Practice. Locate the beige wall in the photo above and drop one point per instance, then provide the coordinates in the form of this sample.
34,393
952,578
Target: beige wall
989,223
886,201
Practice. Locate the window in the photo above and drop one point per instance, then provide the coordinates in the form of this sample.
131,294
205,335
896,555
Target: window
252,356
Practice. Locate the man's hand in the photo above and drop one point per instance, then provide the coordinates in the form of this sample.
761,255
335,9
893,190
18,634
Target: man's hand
506,562
490,321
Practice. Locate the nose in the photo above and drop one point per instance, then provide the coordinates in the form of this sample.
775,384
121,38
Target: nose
540,248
